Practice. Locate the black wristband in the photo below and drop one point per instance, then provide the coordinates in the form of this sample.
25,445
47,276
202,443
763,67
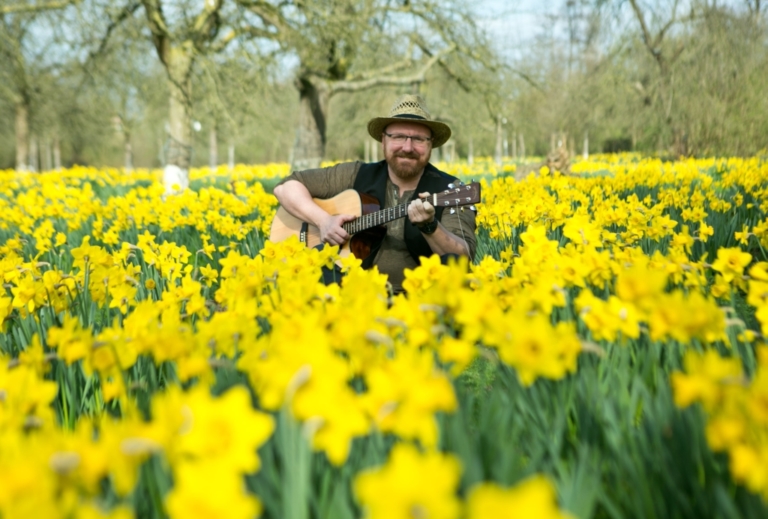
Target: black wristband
428,228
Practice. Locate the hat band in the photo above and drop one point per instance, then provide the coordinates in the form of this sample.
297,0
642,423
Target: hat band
409,116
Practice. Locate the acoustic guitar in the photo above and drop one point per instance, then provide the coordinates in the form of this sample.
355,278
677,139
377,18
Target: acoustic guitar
368,228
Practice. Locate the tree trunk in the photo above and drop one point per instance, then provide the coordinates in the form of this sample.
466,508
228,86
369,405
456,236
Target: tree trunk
309,149
128,151
22,136
679,144
471,152
56,153
449,153
213,149
514,145
179,153
231,161
33,154
47,156
499,141
585,155
522,146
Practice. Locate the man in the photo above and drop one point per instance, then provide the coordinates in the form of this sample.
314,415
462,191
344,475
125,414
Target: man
408,136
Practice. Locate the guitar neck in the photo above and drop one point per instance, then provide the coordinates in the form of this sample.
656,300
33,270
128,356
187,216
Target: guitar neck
377,218
452,197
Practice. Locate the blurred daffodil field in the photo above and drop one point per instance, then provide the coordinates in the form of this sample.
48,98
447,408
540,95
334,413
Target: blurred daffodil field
604,356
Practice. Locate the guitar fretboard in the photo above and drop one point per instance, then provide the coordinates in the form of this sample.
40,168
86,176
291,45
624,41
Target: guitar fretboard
378,218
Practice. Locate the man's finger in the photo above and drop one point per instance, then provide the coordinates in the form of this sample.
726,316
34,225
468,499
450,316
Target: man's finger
424,208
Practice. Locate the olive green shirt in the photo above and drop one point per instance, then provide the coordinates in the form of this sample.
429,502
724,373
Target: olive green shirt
393,256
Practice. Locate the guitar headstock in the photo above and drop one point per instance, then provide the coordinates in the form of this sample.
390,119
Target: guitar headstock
463,194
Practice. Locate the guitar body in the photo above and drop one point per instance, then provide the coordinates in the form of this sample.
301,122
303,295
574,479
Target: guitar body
367,229
351,202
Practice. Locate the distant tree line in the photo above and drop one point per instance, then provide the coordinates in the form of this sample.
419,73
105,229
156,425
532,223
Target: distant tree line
147,83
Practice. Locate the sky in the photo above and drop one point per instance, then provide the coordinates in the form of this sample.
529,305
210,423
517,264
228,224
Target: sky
514,24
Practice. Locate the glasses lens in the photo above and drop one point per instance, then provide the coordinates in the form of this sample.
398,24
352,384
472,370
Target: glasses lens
399,138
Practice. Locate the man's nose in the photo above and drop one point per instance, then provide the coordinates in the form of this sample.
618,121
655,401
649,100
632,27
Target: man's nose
408,144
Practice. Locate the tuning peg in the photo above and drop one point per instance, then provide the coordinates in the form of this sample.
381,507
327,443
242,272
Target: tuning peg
451,185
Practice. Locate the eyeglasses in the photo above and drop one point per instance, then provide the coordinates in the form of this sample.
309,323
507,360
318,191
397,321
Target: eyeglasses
400,138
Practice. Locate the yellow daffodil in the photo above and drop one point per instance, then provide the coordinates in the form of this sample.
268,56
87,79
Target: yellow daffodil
396,490
533,497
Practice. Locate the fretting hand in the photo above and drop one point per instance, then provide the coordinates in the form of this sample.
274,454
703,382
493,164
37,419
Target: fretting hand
331,230
420,211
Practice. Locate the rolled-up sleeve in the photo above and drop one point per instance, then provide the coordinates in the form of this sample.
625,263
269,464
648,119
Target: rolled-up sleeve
326,182
462,223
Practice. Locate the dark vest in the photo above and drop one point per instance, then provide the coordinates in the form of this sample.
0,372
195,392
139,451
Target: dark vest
372,180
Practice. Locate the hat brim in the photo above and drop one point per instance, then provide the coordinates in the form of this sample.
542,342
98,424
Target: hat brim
440,131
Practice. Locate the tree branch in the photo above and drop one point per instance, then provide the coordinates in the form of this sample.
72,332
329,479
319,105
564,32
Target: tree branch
754,10
27,8
456,77
8,92
158,28
114,23
206,24
394,67
643,27
228,38
269,14
418,77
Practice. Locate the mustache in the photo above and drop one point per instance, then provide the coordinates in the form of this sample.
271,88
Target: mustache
407,155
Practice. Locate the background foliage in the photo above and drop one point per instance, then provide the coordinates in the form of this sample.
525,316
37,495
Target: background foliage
688,80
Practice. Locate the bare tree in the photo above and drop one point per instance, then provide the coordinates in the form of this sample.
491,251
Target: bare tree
115,67
341,45
665,56
179,40
754,7
352,45
19,67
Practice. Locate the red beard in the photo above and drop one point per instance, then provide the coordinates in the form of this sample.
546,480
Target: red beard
409,169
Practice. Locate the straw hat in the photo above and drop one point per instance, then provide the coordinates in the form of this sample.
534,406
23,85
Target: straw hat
410,108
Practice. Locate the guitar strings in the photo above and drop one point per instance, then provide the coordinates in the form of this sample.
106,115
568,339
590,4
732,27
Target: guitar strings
463,236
